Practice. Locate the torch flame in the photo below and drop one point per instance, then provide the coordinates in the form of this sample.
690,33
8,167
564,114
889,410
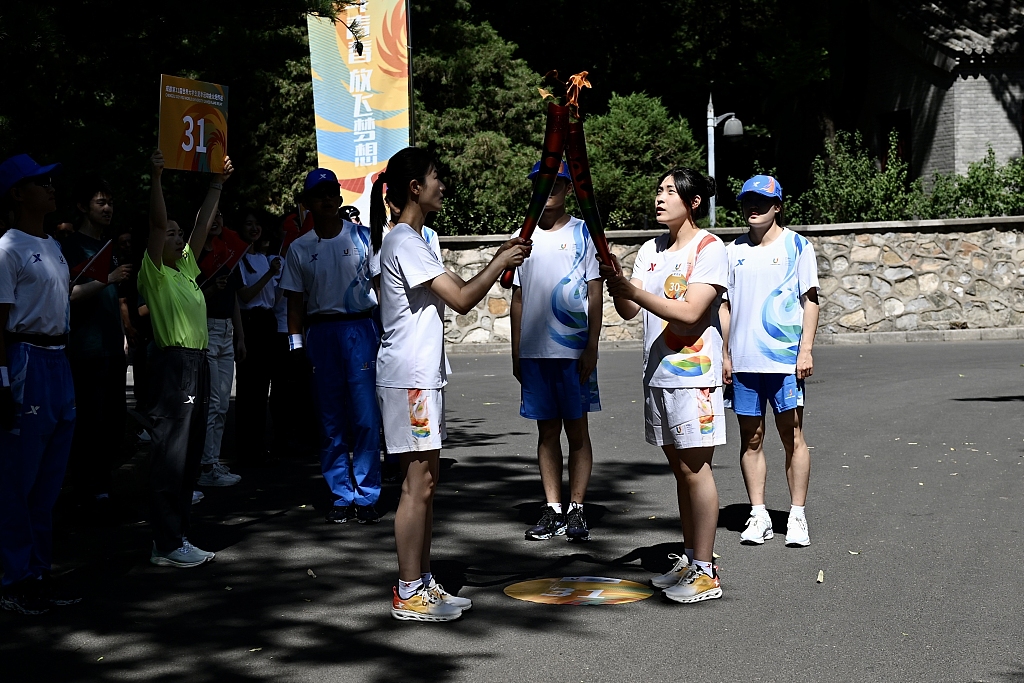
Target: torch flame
576,83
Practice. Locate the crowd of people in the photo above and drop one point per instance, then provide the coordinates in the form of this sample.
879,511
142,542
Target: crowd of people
322,315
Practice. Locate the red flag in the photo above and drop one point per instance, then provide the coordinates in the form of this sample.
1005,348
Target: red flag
292,230
228,250
97,267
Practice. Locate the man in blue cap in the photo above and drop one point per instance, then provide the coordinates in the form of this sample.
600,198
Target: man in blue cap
37,397
769,322
330,294
556,322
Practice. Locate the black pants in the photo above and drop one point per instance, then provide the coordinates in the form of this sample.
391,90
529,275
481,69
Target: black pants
181,399
101,414
252,383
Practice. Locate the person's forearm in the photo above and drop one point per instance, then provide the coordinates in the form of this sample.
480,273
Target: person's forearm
296,314
236,318
516,319
5,311
677,311
86,291
725,317
157,221
247,294
810,325
205,218
473,291
595,312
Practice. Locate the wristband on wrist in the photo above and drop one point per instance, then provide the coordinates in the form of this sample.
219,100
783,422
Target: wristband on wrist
216,186
5,379
294,342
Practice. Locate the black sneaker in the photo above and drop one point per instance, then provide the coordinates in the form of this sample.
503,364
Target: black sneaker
550,524
576,523
23,597
390,472
367,514
339,514
51,592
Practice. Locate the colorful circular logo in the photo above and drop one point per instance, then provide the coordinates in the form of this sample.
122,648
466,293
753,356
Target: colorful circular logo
579,590
675,286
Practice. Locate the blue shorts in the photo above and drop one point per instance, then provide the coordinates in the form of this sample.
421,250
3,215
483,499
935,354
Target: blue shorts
752,390
552,390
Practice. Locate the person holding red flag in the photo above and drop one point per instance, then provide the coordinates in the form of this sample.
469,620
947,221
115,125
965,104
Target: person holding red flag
96,345
221,252
37,397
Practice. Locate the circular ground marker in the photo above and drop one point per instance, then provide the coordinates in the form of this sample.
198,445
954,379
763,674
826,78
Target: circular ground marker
579,590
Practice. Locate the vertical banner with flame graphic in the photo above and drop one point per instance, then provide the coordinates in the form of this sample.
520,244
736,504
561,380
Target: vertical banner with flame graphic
193,124
361,101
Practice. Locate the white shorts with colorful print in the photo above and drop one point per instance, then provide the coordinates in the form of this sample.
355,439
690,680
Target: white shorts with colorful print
413,419
684,418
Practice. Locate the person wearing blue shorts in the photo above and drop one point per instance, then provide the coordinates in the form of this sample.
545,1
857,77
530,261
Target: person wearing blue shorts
556,322
769,320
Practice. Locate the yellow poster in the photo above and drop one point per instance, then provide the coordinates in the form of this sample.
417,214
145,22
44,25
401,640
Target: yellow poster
193,124
361,98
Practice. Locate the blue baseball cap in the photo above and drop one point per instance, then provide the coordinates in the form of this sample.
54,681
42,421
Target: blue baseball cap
20,167
762,185
563,171
319,176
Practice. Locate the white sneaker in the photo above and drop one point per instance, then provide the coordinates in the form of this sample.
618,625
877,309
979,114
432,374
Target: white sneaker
437,589
674,575
198,551
197,496
796,531
759,530
185,556
219,476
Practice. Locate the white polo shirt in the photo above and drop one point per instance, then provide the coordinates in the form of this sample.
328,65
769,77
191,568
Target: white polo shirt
334,274
34,279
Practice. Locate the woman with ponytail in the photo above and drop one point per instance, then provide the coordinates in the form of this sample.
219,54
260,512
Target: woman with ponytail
677,281
415,287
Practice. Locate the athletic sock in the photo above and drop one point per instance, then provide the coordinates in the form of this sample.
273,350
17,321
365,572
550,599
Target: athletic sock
689,554
426,578
705,567
796,510
575,506
557,507
406,589
758,510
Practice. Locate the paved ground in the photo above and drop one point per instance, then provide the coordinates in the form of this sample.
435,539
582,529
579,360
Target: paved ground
918,463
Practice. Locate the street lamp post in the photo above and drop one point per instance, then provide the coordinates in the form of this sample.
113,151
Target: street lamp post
733,128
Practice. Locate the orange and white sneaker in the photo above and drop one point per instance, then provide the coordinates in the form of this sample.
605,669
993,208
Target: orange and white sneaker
695,586
423,605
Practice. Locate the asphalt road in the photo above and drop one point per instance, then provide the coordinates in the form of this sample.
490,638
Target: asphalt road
917,468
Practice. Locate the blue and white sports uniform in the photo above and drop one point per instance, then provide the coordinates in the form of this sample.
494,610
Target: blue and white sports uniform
341,342
34,280
554,328
766,286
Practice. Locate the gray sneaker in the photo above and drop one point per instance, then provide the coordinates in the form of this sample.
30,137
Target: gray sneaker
185,556
219,475
199,551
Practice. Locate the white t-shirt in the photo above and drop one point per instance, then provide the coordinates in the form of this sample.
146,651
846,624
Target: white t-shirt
676,357
429,236
334,274
411,352
253,267
34,279
554,283
766,314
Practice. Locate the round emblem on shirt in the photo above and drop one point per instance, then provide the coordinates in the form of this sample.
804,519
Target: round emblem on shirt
675,287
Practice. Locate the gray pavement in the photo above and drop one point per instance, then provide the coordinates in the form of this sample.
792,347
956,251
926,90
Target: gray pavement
917,467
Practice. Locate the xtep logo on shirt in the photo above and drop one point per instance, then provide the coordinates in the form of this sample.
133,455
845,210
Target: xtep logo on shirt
33,410
652,267
37,258
62,259
190,399
313,257
739,262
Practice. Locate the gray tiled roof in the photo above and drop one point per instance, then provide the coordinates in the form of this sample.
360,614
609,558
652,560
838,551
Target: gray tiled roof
967,26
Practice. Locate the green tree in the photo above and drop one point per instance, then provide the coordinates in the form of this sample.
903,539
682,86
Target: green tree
629,147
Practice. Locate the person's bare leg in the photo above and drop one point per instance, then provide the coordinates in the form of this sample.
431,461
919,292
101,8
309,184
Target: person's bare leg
682,494
581,458
549,458
412,536
428,520
752,462
798,457
695,465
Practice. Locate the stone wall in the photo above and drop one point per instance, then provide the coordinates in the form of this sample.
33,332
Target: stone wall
875,277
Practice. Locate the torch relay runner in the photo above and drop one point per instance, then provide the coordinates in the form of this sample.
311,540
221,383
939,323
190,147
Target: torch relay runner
677,282
415,287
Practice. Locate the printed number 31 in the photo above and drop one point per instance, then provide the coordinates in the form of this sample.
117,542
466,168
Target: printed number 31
187,146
